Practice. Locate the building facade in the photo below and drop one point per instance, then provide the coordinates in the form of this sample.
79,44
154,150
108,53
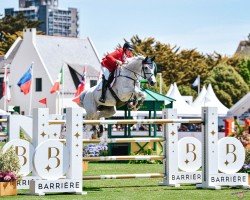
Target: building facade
49,56
55,21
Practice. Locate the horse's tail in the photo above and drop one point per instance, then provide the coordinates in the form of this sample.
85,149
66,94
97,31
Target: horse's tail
82,95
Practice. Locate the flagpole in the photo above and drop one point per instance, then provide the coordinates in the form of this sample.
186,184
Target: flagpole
58,102
31,89
5,85
62,88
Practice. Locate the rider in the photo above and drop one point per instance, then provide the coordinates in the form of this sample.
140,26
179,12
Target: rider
110,63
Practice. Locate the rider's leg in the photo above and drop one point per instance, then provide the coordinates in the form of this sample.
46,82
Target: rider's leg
105,83
104,89
111,77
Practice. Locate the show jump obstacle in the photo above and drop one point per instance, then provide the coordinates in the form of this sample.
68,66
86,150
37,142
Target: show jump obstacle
56,164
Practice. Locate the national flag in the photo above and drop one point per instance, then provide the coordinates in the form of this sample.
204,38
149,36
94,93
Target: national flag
196,82
59,81
43,101
80,87
25,82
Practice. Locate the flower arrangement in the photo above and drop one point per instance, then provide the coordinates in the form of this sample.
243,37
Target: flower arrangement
9,165
246,166
93,150
7,176
242,134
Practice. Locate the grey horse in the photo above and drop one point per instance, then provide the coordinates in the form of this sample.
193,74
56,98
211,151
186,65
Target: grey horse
125,87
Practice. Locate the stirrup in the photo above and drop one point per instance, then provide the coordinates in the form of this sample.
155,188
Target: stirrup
102,100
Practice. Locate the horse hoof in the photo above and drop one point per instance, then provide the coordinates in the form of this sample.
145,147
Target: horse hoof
94,136
100,134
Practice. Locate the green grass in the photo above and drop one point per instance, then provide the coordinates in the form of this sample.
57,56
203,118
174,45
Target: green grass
137,188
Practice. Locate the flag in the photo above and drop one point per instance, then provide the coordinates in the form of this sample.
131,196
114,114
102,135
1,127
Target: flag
59,81
80,88
25,82
196,82
43,101
6,86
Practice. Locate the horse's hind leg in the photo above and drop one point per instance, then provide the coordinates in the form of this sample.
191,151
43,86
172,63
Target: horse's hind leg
106,113
109,112
91,115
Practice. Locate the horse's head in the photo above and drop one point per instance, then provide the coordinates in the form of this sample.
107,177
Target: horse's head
149,68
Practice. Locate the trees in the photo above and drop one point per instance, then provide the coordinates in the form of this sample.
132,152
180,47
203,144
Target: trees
227,84
10,24
244,70
7,40
228,75
180,66
11,28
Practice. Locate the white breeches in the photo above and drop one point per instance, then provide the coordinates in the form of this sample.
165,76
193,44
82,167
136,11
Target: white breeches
105,72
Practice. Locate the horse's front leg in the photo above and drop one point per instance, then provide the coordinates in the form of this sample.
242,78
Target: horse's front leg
140,97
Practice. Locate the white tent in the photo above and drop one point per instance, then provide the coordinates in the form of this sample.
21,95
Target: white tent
199,100
170,90
210,100
183,108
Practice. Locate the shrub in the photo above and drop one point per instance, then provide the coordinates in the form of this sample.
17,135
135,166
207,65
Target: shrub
9,165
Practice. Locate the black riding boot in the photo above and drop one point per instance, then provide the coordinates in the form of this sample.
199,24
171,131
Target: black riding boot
105,86
104,89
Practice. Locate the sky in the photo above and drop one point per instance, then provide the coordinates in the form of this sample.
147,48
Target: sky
207,25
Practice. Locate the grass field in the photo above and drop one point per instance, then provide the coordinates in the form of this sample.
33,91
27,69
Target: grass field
137,188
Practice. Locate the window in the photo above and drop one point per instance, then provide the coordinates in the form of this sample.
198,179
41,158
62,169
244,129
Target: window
38,84
93,83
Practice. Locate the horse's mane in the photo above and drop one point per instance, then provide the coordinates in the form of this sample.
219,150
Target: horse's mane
133,59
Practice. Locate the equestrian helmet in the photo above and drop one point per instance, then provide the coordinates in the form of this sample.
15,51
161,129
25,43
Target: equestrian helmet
128,46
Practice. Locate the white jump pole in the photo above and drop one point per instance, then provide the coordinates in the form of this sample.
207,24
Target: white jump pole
209,146
170,148
74,144
51,156
172,175
221,159
40,125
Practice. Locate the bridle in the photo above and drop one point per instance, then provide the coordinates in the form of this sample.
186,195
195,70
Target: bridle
136,74
146,73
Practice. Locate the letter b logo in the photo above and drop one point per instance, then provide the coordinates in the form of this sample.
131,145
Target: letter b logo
231,155
189,154
51,159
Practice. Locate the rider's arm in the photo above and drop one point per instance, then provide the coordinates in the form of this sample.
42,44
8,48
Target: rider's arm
114,56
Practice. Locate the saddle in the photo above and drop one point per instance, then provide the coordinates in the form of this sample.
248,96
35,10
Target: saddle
99,85
119,103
